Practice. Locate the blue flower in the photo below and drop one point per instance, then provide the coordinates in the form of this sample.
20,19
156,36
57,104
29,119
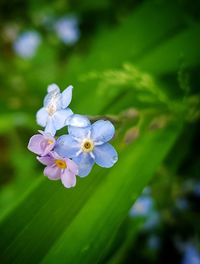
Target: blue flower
55,114
191,255
154,242
27,43
182,203
142,207
152,221
88,145
67,29
197,189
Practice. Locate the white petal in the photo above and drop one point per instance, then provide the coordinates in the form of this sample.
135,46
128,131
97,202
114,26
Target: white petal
50,127
66,96
53,88
41,117
79,121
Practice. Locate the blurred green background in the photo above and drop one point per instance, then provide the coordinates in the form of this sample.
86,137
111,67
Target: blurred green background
138,61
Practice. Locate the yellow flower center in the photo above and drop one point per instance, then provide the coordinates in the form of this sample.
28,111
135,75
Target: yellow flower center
87,145
61,164
50,141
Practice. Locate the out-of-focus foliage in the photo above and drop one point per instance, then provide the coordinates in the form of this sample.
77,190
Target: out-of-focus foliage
136,62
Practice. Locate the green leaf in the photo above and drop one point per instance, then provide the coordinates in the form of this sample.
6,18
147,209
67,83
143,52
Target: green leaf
88,237
55,225
170,55
82,220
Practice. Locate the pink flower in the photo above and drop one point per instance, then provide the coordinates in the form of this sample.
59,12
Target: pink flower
60,168
41,144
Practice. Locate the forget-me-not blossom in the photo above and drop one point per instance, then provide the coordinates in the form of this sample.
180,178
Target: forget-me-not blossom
191,255
27,43
67,29
41,144
58,168
55,113
89,145
142,207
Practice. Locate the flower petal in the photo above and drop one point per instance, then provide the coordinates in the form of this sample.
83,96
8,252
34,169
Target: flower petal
66,96
52,172
102,131
48,147
105,155
42,117
66,146
53,88
43,143
35,145
68,179
71,165
46,160
79,121
85,163
79,133
60,118
50,127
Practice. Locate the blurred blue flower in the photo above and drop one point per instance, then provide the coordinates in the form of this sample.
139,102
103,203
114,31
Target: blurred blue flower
26,44
67,29
88,145
192,186
182,203
197,189
55,113
142,207
152,220
153,242
191,255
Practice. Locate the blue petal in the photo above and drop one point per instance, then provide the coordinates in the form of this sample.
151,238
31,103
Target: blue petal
79,121
85,163
105,155
50,127
66,97
41,117
60,118
79,132
102,131
66,146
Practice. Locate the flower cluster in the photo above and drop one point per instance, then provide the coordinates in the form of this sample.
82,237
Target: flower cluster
75,153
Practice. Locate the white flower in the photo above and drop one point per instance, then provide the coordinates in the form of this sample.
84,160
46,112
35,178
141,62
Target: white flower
55,113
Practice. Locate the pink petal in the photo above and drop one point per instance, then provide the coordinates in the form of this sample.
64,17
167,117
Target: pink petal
55,155
52,172
71,165
68,179
35,145
46,160
48,147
